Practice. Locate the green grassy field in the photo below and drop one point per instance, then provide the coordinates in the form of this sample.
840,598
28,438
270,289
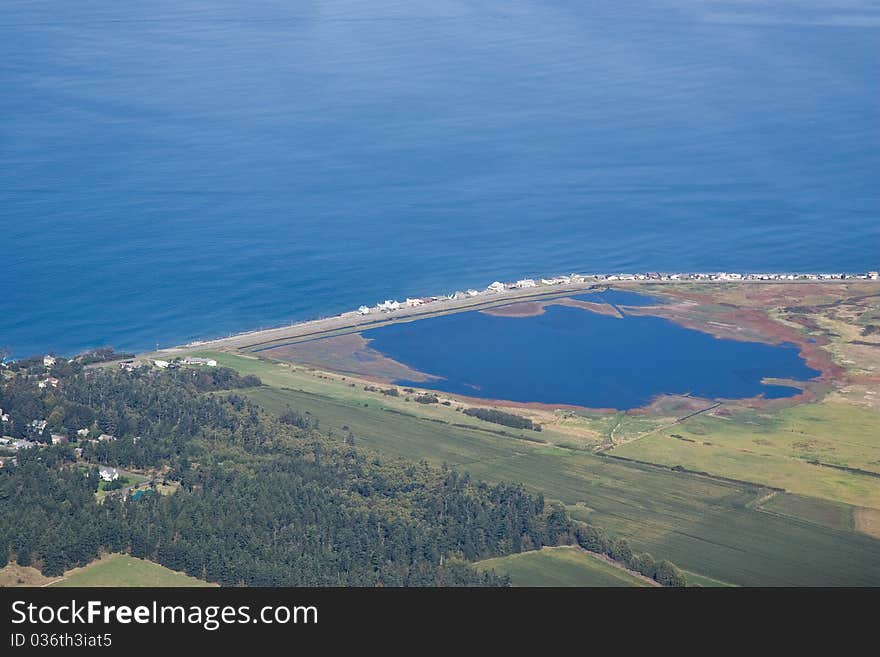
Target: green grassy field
347,391
705,526
822,512
123,570
560,566
695,579
774,448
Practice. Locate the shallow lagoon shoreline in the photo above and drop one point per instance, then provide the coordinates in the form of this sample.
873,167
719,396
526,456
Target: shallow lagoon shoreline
353,321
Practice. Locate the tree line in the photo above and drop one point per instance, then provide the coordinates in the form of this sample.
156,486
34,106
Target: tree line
500,417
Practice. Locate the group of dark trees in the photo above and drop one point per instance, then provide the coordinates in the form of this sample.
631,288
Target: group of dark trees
102,355
500,417
260,501
594,539
297,419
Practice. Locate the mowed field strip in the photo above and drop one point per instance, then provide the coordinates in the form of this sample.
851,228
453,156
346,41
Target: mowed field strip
562,566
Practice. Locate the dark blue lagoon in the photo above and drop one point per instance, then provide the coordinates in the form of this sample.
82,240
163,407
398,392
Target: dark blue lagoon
572,356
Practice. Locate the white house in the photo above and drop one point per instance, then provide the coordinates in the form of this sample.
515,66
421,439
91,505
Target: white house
524,283
4,417
48,360
108,474
364,310
412,303
496,287
24,444
874,275
210,362
82,433
388,305
161,364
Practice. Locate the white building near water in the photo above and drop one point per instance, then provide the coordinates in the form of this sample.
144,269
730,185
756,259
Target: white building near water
524,283
210,362
161,364
496,287
388,305
48,361
364,310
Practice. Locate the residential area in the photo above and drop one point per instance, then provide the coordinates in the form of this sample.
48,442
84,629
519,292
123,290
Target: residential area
497,287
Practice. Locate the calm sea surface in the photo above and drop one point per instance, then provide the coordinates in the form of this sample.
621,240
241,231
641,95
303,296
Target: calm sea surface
180,170
572,356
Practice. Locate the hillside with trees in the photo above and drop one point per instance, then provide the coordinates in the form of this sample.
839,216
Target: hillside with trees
257,501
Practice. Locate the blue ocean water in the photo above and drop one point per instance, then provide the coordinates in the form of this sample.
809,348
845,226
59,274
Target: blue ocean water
572,356
180,170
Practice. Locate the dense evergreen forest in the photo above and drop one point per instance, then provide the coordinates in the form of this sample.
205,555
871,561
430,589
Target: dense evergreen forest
247,499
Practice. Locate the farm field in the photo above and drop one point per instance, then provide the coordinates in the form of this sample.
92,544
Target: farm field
560,566
775,447
703,525
713,529
836,515
694,579
124,570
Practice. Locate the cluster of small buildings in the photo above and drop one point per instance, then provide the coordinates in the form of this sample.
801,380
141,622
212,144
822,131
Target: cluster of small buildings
17,443
497,287
209,362
166,364
37,428
131,364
